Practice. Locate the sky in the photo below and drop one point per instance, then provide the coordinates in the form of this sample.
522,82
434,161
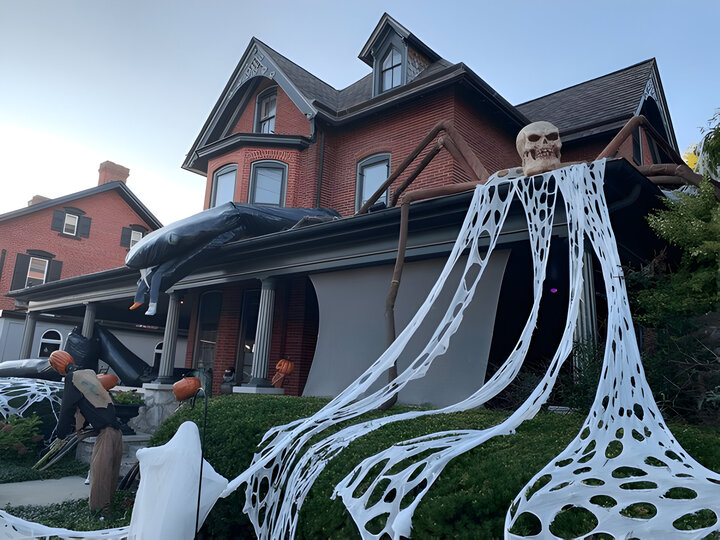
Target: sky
133,81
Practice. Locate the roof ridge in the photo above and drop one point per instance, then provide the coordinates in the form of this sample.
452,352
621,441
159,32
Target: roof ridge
331,87
648,61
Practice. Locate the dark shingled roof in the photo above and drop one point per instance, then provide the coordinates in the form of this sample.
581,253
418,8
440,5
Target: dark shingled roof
604,101
307,83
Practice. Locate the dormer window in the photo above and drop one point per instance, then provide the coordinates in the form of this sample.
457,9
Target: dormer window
391,70
265,112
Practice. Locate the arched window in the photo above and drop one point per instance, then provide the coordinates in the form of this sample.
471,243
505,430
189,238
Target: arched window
268,180
265,109
157,353
51,341
223,187
371,173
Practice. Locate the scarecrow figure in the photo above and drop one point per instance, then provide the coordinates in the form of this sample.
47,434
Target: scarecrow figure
86,400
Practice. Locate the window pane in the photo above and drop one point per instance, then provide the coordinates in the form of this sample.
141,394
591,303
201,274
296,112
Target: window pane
372,178
396,58
36,272
70,226
268,185
396,76
387,80
268,106
268,126
387,63
135,237
224,187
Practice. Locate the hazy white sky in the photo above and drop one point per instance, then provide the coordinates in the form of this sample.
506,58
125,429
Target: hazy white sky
133,81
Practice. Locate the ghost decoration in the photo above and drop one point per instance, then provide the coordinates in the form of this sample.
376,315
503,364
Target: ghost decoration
539,147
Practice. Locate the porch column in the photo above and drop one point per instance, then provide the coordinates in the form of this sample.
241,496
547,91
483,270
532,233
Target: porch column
28,334
263,335
586,329
167,357
89,320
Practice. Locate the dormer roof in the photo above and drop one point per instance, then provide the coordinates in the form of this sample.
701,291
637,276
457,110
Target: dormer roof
379,35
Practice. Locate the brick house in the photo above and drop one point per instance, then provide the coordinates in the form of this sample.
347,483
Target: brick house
280,136
53,239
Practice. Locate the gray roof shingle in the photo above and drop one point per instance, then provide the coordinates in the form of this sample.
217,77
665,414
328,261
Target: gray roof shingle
603,100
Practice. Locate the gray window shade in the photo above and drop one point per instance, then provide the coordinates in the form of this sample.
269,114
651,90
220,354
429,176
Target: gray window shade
267,183
223,186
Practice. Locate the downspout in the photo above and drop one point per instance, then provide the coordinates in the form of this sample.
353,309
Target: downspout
320,169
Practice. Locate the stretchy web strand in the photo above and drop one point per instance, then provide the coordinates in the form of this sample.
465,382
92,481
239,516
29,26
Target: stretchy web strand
18,394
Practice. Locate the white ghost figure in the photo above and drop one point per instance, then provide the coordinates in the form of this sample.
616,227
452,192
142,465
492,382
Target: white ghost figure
166,501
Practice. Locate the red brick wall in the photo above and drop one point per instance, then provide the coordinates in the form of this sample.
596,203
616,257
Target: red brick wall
288,118
227,335
295,328
299,183
101,251
396,132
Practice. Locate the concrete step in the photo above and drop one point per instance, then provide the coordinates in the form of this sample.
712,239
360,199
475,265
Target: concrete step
131,444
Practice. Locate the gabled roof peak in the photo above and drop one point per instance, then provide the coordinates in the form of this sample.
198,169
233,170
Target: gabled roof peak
386,21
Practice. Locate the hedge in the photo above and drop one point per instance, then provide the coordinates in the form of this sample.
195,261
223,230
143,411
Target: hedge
469,500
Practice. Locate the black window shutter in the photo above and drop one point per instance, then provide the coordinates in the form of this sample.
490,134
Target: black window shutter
125,237
58,220
54,271
83,230
22,263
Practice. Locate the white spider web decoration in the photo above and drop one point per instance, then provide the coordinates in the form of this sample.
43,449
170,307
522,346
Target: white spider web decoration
18,394
624,464
281,474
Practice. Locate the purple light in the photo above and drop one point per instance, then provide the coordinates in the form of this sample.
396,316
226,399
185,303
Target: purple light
553,290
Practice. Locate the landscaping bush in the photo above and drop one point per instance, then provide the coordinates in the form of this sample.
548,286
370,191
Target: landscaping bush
19,435
469,499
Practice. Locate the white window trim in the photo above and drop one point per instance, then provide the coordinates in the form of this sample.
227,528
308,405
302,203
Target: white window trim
72,220
44,340
47,264
269,163
134,238
370,160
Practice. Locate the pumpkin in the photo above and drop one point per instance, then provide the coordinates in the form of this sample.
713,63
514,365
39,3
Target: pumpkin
186,388
284,366
60,360
108,380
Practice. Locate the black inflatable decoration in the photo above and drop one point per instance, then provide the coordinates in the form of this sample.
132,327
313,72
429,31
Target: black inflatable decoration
172,252
84,351
31,368
130,368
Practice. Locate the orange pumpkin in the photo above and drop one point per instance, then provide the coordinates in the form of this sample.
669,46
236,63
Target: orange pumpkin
284,366
186,388
108,380
60,360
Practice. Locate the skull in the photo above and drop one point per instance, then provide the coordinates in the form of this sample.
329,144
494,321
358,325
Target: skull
539,147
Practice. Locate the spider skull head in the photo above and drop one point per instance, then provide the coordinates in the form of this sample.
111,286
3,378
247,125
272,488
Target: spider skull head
539,147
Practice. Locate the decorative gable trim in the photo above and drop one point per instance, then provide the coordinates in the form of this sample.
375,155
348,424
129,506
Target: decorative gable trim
255,63
653,89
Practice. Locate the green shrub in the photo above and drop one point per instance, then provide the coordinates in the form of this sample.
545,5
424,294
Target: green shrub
129,397
19,435
468,500
77,516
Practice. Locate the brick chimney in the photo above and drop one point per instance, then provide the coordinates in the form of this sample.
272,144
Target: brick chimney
37,199
110,171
